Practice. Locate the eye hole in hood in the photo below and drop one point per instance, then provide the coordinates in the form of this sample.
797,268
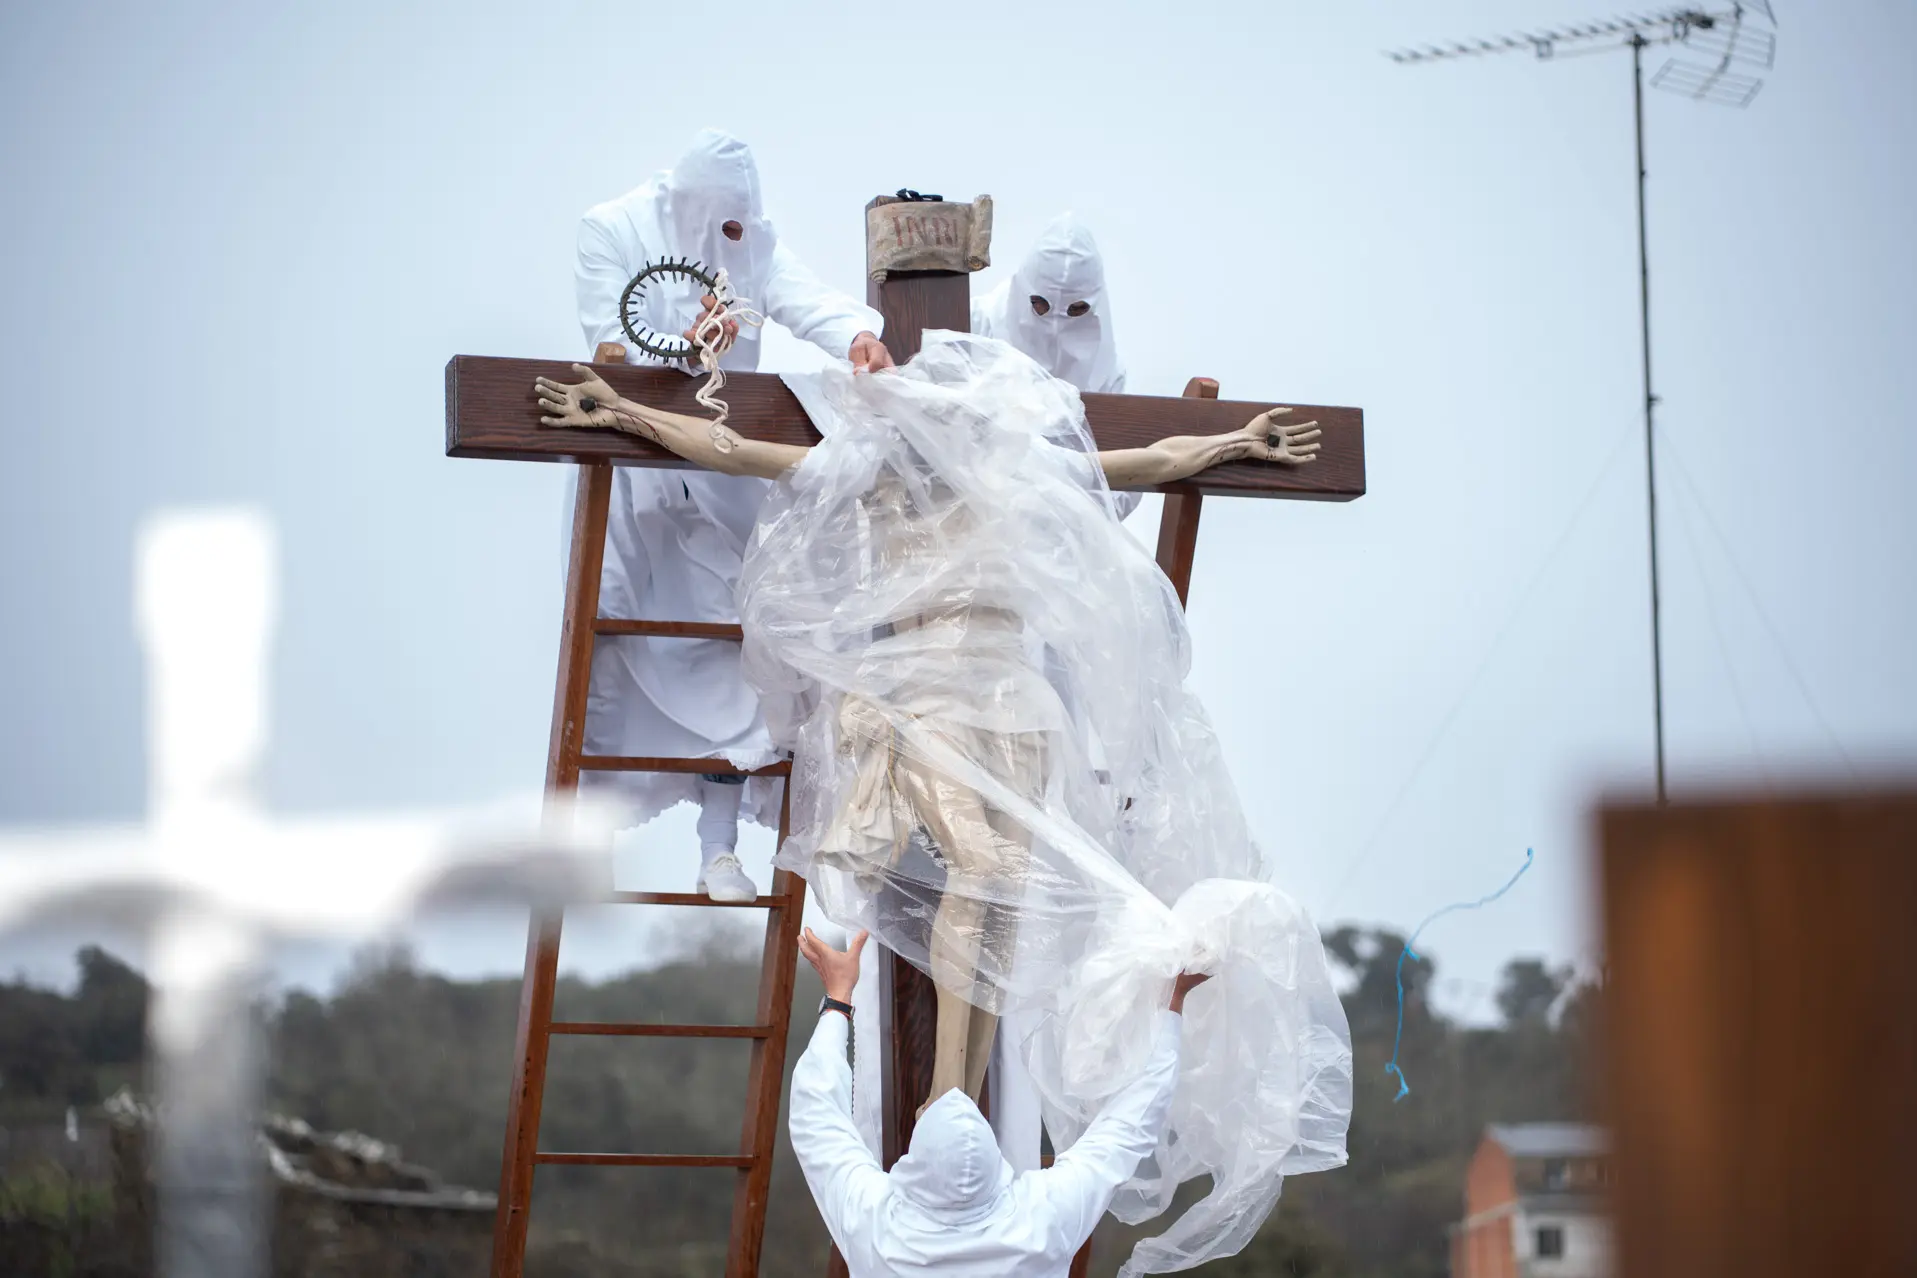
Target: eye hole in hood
713,212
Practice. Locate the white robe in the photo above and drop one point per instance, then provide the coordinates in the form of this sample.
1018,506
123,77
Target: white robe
952,1206
675,537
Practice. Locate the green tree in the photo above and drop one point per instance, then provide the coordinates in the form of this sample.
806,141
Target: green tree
110,1009
416,1059
1528,990
40,1061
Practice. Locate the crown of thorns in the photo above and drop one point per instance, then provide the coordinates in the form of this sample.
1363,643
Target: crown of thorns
631,302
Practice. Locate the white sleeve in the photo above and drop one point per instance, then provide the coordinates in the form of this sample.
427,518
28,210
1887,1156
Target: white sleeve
1080,1183
868,1051
846,1180
827,318
600,277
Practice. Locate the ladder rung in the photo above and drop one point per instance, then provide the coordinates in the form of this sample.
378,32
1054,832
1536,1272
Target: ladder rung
774,902
668,629
628,1029
640,763
647,1160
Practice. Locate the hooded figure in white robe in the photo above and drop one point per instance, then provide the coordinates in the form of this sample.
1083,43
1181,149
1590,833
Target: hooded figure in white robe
952,1207
675,538
1054,309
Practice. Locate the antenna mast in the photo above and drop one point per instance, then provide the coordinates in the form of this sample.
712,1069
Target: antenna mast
1741,36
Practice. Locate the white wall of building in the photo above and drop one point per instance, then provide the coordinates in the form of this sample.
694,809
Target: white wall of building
1587,1245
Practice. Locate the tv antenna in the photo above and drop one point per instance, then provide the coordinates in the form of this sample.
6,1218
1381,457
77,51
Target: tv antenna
1721,57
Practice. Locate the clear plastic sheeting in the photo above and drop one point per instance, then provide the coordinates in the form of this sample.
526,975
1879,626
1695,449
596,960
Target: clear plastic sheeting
999,771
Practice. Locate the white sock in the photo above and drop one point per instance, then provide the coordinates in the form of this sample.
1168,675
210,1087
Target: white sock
719,815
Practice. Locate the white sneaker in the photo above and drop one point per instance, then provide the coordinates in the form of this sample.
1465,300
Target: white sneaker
722,878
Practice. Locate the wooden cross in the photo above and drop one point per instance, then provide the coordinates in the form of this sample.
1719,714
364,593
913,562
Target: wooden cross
490,412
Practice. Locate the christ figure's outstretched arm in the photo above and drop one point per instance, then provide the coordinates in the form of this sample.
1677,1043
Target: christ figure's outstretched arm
1166,461
699,440
591,402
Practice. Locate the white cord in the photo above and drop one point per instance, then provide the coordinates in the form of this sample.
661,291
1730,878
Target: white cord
710,337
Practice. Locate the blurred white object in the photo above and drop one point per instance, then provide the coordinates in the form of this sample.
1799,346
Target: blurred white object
213,879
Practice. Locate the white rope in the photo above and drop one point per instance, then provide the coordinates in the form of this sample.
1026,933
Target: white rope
710,337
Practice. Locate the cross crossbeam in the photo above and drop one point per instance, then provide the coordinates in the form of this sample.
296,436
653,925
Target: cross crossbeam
491,412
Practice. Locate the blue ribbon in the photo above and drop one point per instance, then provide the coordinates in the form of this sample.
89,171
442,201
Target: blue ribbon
1391,1067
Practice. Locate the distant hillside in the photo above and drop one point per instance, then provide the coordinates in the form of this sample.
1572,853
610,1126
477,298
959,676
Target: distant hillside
425,1062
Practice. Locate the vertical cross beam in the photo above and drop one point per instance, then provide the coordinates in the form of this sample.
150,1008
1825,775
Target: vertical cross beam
206,602
1178,525
910,302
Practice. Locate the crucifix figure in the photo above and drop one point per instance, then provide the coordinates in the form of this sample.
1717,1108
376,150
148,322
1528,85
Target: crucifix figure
214,881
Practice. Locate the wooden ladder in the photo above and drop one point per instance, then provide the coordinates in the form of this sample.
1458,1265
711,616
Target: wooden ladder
565,760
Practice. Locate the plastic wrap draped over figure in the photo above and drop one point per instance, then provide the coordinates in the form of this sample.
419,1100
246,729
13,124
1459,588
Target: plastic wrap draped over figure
1058,834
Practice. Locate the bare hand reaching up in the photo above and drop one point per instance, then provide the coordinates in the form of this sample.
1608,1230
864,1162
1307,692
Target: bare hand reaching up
838,969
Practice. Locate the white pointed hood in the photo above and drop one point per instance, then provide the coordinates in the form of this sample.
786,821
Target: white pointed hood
716,181
1065,269
681,212
953,1171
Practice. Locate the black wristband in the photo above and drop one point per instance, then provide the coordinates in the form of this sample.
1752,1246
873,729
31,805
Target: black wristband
830,1004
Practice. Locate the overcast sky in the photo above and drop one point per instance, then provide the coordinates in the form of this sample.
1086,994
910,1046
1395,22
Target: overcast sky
238,244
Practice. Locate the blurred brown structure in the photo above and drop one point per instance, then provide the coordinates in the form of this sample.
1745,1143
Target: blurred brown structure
1762,1071
1533,1206
344,1205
